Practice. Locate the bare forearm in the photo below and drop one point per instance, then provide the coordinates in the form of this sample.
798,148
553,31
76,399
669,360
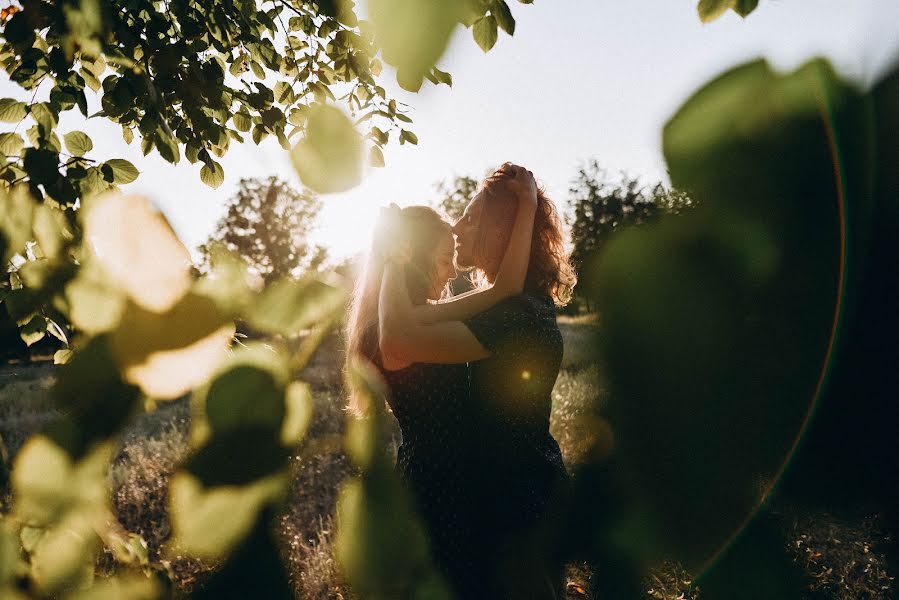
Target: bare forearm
395,309
514,266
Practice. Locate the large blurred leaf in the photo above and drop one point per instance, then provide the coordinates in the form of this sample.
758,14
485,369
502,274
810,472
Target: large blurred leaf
96,302
413,33
92,396
68,500
169,353
62,559
10,563
138,249
716,323
268,376
381,544
381,547
210,521
16,210
256,559
299,405
238,457
329,158
244,397
132,587
289,306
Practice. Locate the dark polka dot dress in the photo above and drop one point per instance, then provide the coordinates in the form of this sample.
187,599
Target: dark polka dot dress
524,485
431,404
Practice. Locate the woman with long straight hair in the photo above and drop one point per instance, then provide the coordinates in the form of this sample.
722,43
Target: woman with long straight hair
431,402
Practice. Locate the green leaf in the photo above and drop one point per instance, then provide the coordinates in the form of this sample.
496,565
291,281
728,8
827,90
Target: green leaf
11,144
239,66
329,158
11,110
168,354
376,157
119,170
44,117
78,143
132,586
35,330
484,31
443,77
408,136
16,218
212,176
289,306
283,93
379,136
95,302
413,34
61,357
409,80
242,121
259,134
41,165
209,522
300,406
245,396
92,81
51,230
744,7
93,398
709,10
503,15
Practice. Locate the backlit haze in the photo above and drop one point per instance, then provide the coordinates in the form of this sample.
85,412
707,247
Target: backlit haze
579,79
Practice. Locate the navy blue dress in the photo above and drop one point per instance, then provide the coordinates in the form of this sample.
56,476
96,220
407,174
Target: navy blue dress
524,484
435,460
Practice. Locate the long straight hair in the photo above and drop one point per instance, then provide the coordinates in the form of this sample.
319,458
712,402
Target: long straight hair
423,227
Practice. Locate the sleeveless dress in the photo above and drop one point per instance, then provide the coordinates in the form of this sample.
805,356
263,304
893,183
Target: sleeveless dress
524,485
435,460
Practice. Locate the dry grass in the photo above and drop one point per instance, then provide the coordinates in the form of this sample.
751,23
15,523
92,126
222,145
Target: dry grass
842,558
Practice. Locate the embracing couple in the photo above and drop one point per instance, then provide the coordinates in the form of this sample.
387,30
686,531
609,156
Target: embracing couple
470,379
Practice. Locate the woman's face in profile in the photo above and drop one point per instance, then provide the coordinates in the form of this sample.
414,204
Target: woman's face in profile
444,266
466,229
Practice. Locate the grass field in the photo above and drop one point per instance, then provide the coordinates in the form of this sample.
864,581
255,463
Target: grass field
841,558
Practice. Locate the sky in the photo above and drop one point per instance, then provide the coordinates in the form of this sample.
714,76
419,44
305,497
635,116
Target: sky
580,79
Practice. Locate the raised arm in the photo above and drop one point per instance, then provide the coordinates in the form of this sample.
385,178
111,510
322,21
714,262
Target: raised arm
513,268
403,340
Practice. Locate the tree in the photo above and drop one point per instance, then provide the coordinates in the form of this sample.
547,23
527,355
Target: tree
183,77
455,194
601,206
267,224
186,79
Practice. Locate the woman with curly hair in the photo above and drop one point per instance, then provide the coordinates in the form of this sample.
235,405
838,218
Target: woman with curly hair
431,401
514,351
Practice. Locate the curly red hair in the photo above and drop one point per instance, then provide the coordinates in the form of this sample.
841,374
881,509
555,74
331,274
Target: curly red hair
550,269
